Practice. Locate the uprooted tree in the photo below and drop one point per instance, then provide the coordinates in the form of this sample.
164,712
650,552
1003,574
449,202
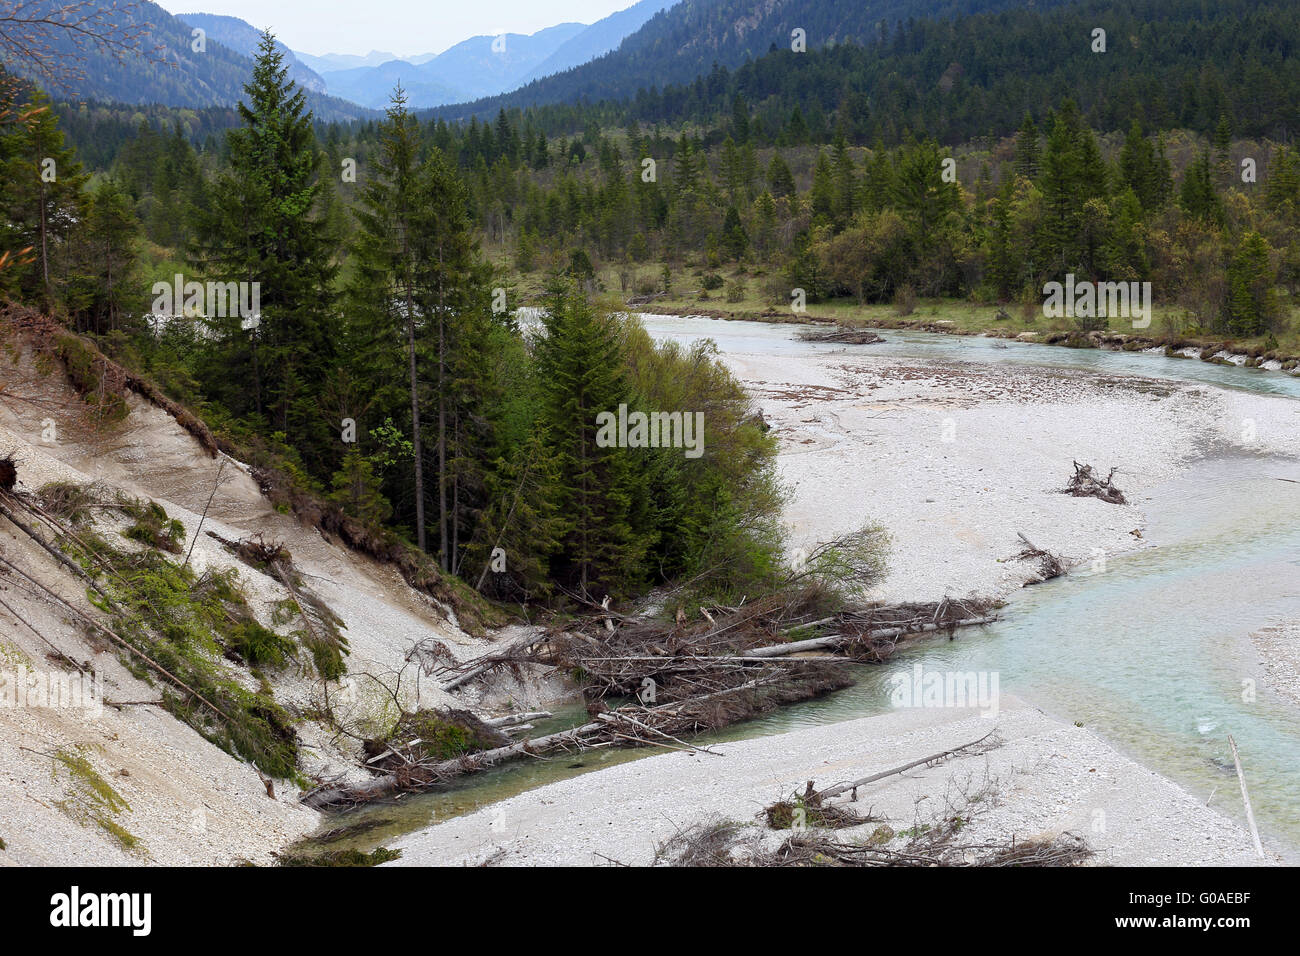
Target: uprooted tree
1086,484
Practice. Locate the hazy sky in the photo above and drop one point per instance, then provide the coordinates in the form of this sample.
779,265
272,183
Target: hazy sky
404,27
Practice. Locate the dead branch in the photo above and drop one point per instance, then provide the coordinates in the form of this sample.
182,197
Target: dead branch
1049,565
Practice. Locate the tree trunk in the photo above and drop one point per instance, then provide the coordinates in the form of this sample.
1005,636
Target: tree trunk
45,257
416,442
455,499
443,557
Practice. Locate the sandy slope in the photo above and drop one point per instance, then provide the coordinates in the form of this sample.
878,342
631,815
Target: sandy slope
189,801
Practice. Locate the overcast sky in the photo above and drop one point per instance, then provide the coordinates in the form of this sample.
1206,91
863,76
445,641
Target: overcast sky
404,27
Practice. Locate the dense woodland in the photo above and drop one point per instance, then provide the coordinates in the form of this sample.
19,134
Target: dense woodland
1164,160
471,434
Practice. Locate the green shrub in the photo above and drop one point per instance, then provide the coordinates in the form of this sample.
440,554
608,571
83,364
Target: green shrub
260,646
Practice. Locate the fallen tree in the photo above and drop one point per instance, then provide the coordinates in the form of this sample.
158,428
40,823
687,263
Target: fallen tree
654,682
631,725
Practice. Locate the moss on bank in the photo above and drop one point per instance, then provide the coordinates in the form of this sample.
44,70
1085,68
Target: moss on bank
91,798
341,858
185,624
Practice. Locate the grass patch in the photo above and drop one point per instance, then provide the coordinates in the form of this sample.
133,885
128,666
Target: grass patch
153,526
260,646
187,623
436,735
91,798
342,858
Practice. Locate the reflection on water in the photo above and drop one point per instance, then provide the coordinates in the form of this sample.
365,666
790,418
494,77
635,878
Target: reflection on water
1153,652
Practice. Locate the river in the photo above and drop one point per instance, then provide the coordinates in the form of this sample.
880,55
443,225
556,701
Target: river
1152,650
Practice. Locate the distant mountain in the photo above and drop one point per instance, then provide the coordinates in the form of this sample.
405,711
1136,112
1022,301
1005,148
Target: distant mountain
372,85
477,67
484,65
686,40
330,62
599,38
243,37
169,72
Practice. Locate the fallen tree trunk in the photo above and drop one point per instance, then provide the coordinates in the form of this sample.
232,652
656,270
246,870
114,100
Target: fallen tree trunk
837,640
488,662
511,719
426,776
846,787
52,551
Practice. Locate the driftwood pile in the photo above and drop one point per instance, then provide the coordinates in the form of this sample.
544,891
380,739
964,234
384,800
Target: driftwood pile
1086,484
726,844
819,837
654,683
840,335
1049,565
649,659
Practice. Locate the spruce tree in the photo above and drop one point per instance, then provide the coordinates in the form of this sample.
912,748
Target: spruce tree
599,491
1252,299
383,293
1028,151
779,178
1060,184
42,201
454,282
265,227
1198,196
111,231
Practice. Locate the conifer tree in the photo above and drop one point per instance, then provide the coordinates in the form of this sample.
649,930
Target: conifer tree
1060,182
1251,304
1198,196
111,230
780,180
384,293
599,493
455,283
1028,150
42,200
265,227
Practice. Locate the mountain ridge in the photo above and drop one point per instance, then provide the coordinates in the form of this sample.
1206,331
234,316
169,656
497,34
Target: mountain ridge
687,39
242,37
168,71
